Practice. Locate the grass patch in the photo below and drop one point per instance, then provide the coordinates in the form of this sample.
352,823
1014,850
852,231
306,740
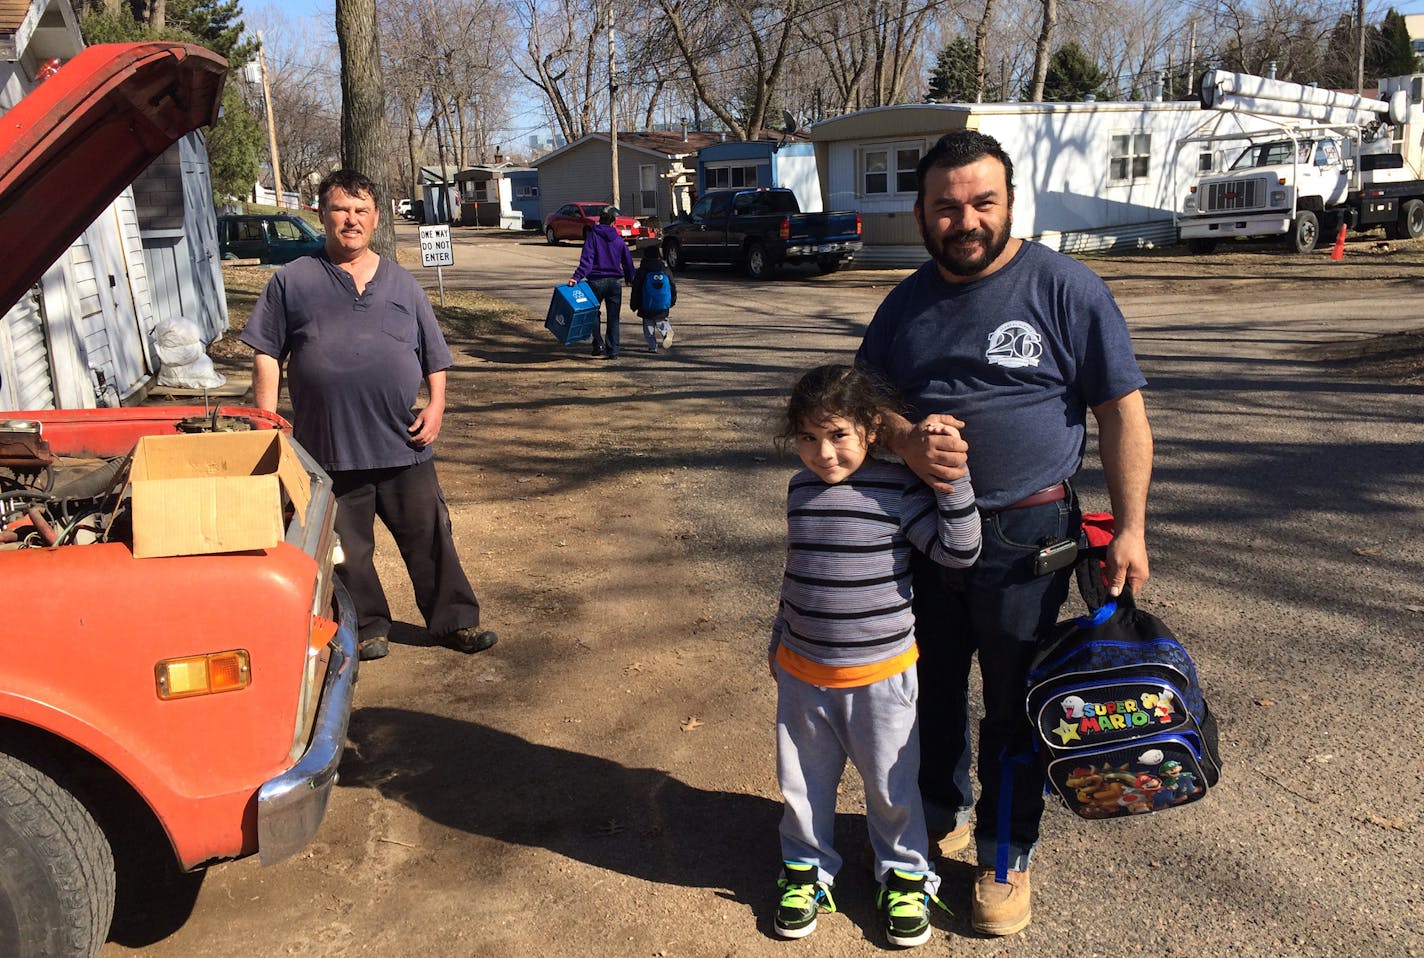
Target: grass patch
466,313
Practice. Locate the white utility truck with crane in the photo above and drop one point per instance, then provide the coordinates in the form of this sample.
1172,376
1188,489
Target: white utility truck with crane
1299,162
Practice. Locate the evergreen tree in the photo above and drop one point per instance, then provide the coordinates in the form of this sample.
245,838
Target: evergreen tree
218,26
1395,49
1072,75
235,141
952,79
235,147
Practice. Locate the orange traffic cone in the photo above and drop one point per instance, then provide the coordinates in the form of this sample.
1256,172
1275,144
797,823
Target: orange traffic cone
1339,251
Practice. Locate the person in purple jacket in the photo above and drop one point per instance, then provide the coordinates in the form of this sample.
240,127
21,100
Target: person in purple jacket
608,266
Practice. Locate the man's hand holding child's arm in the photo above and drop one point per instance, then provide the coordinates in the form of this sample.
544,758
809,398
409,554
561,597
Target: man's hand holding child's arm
932,448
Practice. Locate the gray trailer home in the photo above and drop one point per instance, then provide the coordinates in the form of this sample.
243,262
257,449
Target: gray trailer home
656,171
1088,176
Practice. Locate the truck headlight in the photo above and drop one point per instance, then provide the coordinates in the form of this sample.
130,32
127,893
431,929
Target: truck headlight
1278,197
1189,205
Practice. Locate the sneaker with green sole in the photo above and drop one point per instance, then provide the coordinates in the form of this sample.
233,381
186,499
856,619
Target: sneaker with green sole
803,897
904,906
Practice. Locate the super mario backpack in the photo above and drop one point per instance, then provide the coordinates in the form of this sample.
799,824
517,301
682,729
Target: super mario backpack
1122,727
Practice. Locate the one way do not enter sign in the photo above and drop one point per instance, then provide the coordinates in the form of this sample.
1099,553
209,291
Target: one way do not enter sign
435,248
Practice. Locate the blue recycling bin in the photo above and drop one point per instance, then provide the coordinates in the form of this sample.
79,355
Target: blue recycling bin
573,313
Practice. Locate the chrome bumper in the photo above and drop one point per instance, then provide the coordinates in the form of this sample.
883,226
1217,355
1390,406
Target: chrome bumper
290,807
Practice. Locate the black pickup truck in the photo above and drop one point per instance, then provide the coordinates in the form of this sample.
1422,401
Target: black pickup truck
760,229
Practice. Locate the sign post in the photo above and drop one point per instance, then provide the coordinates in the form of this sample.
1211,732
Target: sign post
436,250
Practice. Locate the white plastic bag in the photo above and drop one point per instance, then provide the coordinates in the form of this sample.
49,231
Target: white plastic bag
184,361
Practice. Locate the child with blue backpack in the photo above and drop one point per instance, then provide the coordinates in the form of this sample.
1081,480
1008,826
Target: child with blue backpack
654,295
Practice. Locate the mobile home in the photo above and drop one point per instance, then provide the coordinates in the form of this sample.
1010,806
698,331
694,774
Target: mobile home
1087,176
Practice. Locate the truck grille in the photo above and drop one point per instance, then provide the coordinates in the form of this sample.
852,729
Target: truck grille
1245,194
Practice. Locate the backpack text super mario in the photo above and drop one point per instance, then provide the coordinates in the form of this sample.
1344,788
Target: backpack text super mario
1122,727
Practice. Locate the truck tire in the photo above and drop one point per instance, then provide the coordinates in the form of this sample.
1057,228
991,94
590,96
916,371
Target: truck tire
1410,224
1305,232
759,265
829,264
672,255
550,237
57,884
1201,247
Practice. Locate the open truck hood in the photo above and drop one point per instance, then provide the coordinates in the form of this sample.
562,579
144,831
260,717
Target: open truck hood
73,144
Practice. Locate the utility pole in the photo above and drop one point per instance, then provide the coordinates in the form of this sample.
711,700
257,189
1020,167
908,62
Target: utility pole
271,121
1360,46
612,104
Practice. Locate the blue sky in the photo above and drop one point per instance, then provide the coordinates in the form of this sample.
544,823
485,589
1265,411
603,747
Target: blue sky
318,18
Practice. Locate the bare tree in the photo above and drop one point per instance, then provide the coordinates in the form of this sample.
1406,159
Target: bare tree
1042,50
364,143
561,40
305,98
734,52
981,36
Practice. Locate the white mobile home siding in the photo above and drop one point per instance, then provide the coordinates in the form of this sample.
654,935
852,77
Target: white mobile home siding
1064,196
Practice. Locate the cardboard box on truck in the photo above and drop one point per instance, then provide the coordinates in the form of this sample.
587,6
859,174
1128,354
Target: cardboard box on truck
213,492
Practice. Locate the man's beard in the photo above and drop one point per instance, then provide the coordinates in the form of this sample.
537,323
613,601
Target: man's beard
971,264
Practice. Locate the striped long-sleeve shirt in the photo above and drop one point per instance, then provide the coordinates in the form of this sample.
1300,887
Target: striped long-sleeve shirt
845,616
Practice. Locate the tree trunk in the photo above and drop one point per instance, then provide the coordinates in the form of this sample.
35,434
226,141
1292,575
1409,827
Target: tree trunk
157,14
363,109
981,69
1041,51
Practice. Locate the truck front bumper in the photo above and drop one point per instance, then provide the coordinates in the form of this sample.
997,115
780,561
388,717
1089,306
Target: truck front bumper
1223,227
290,806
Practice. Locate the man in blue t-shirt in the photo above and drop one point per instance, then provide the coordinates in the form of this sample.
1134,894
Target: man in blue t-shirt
359,337
1011,344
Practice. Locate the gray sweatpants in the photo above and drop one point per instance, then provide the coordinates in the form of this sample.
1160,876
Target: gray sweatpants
874,726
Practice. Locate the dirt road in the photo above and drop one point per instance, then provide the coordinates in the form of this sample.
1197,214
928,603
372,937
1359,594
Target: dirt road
601,784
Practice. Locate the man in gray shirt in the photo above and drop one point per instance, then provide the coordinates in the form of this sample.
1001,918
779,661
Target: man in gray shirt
359,337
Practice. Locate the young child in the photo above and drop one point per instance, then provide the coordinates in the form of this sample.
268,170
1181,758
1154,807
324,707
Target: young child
843,650
654,294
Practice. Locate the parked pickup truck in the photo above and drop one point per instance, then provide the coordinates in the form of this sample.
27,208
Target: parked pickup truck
760,229
164,705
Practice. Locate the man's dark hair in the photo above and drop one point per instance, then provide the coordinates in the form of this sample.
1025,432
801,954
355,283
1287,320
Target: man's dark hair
957,149
349,182
607,216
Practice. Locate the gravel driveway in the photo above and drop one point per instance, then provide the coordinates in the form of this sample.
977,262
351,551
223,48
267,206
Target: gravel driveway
601,784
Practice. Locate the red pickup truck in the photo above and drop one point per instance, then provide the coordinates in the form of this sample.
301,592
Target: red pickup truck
192,705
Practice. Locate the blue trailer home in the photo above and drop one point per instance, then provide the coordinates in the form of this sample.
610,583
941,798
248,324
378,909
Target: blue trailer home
788,163
526,196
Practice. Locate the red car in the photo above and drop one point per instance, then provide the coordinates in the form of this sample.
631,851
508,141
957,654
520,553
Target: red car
572,221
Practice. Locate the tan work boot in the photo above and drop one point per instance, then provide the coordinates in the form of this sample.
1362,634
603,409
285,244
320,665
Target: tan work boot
952,841
1001,909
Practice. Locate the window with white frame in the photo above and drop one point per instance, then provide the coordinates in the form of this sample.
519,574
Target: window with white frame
730,175
647,189
1129,156
889,168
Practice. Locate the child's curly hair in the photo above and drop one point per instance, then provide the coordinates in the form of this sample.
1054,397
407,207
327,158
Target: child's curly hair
835,389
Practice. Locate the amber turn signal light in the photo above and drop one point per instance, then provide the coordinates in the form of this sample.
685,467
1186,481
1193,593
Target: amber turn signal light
203,674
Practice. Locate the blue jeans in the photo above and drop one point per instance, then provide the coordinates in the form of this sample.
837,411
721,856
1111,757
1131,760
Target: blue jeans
609,290
999,609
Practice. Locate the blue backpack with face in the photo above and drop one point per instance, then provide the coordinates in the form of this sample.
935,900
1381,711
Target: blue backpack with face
657,291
